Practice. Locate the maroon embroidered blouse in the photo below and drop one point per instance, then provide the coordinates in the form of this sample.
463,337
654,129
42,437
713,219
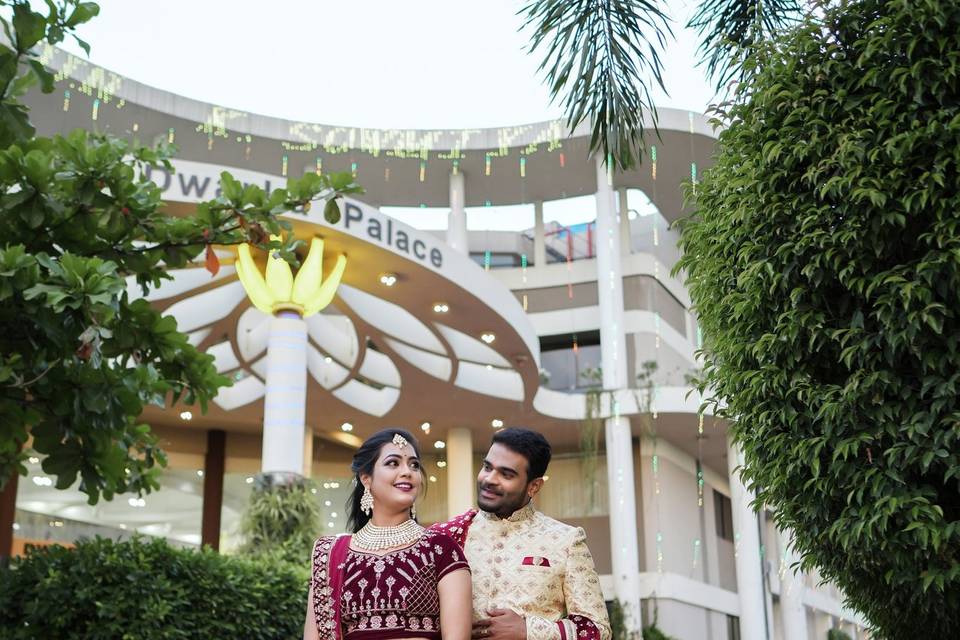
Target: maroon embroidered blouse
395,595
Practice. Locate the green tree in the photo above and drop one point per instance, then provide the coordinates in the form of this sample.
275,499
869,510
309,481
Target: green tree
81,226
824,263
602,57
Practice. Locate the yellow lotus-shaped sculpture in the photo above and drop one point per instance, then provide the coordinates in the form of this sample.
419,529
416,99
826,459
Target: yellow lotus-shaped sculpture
306,294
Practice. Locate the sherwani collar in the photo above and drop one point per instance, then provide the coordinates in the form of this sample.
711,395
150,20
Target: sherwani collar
522,514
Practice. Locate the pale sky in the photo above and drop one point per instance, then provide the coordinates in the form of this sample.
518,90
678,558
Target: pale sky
367,63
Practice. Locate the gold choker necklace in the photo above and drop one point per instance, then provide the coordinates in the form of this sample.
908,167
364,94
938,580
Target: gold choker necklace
374,538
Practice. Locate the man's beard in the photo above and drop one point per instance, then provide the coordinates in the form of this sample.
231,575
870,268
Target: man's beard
506,506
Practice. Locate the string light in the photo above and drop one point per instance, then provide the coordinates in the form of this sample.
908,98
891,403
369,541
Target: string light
523,267
696,553
353,169
171,135
659,552
96,108
523,167
66,100
423,170
524,302
486,165
319,167
563,160
456,167
699,484
653,162
487,256
386,174
284,165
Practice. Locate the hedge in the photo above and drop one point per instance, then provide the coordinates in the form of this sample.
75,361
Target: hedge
151,591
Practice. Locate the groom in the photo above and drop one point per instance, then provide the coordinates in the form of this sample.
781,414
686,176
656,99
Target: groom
533,577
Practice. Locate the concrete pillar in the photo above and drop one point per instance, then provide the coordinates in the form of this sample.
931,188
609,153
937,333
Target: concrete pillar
624,551
284,405
461,480
746,537
307,452
539,239
791,592
213,467
457,220
8,512
623,218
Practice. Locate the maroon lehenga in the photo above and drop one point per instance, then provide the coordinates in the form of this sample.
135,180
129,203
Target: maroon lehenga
363,596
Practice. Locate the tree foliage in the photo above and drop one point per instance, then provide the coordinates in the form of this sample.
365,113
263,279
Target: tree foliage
824,262
82,236
602,58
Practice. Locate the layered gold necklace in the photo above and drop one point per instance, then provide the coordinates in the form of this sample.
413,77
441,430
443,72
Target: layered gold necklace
374,538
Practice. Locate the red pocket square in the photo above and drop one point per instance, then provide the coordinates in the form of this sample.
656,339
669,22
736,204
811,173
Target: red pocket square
536,561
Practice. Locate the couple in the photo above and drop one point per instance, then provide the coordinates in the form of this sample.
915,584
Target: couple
504,572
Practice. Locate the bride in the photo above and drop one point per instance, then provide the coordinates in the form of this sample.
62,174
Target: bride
392,579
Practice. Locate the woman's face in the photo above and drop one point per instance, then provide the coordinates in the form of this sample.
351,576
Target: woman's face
396,479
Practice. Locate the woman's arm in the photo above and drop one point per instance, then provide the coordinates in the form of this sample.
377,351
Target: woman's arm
310,625
456,605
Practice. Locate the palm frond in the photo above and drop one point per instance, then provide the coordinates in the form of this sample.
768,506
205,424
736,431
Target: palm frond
731,30
599,58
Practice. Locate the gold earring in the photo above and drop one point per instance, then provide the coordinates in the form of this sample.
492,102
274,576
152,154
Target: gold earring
366,501
413,511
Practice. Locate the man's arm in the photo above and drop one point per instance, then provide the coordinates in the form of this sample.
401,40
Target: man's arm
586,611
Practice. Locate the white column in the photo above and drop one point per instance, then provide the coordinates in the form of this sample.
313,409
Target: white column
539,239
307,452
791,592
624,219
619,443
746,552
461,481
457,220
284,405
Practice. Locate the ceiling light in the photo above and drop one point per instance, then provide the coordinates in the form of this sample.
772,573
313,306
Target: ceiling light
137,502
334,485
249,479
42,481
489,367
34,460
313,491
433,478
200,472
441,463
329,525
440,307
545,478
327,503
123,526
439,444
328,359
488,336
326,485
186,415
496,423
333,515
388,279
425,427
346,426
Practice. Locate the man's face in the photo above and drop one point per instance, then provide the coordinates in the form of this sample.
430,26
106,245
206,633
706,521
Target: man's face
502,485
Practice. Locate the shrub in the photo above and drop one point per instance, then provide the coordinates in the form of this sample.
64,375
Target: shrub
281,519
149,590
824,263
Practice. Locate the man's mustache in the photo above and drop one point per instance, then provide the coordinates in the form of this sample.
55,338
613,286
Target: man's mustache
489,489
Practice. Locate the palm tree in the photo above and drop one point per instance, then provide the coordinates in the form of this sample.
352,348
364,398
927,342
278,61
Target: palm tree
602,56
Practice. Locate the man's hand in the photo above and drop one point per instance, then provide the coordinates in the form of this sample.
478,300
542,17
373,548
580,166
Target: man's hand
503,624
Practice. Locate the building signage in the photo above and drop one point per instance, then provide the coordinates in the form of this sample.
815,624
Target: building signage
197,182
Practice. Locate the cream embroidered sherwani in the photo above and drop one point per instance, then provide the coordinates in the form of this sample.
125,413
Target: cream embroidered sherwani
538,567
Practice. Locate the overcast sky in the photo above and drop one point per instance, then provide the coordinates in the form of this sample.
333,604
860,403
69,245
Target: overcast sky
370,63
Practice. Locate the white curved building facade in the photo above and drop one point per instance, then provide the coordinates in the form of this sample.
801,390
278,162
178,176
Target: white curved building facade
525,277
